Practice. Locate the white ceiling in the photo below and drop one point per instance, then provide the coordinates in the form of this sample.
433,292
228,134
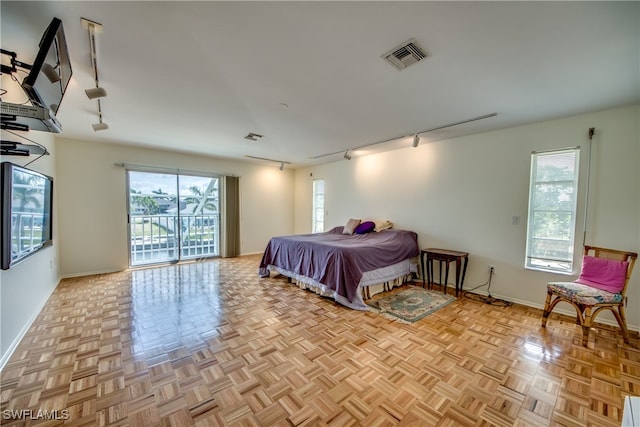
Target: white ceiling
199,76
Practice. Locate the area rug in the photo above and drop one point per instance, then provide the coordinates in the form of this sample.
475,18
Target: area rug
411,304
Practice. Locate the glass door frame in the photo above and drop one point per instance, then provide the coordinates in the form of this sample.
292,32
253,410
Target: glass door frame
178,221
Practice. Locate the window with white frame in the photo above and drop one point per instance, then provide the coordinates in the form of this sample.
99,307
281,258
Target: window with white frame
318,206
553,197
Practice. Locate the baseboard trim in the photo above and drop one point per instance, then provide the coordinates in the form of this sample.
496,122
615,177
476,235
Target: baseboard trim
570,313
89,273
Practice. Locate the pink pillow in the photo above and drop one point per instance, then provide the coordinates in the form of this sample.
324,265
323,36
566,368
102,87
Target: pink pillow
602,273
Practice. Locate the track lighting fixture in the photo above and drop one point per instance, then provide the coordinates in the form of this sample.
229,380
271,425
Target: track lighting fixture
282,162
416,137
100,125
51,73
95,92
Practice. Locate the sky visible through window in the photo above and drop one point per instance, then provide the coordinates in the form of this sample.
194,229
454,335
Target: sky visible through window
148,183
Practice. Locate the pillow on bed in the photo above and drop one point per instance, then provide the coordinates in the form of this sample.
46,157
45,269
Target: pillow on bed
386,225
365,227
380,224
351,226
602,273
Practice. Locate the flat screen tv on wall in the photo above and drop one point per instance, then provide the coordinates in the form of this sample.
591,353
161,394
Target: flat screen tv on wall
51,72
45,84
27,203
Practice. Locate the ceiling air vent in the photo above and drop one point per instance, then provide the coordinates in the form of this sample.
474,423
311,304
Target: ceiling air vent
253,136
408,53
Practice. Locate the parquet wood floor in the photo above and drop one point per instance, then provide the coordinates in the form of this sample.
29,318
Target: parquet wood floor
210,343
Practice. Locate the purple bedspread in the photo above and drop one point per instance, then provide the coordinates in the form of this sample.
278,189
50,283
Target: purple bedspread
338,260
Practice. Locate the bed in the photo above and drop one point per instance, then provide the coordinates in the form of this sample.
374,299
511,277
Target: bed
345,267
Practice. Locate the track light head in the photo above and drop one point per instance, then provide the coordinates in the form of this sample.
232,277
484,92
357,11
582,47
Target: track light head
96,92
92,26
51,73
416,141
347,155
281,166
100,126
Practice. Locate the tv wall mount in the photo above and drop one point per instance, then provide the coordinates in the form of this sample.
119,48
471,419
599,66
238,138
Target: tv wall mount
15,64
11,148
45,83
9,112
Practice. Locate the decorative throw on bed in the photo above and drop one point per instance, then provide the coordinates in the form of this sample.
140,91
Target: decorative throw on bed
339,260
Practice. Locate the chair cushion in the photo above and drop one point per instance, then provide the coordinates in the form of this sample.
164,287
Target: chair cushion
583,294
602,273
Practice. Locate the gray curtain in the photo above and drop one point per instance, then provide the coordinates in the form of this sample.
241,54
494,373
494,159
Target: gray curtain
231,217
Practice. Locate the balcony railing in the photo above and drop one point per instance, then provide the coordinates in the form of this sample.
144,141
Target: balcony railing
26,232
158,238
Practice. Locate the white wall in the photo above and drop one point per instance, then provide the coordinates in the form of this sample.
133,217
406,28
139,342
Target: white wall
92,201
25,287
463,194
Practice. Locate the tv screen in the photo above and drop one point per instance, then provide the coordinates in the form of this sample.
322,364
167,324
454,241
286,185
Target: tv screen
51,71
27,204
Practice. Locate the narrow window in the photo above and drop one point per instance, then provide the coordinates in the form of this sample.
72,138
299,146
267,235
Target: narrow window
553,196
318,206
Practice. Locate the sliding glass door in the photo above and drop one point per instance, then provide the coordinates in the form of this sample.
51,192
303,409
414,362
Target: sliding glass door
172,217
199,216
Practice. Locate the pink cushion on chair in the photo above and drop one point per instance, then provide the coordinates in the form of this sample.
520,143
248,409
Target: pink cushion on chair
602,273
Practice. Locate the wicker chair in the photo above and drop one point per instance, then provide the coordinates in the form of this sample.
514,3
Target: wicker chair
589,301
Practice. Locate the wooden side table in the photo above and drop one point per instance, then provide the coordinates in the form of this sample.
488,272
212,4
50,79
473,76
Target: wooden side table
445,256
